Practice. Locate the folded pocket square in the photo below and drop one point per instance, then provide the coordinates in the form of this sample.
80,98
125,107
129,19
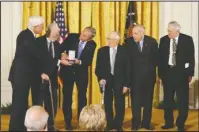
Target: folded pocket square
186,65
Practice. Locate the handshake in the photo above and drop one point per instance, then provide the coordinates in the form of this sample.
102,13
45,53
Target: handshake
68,62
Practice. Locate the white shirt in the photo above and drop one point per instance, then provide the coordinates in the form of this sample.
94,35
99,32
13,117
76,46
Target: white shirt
141,43
111,53
171,50
48,43
84,44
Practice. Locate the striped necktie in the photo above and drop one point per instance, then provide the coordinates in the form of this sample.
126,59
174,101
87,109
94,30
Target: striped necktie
174,46
113,60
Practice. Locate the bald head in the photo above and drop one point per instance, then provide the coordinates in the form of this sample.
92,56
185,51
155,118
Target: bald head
36,119
113,38
53,31
138,32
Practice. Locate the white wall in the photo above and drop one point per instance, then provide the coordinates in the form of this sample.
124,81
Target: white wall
11,24
186,13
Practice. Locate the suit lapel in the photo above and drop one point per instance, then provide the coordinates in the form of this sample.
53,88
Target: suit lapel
56,44
108,57
117,55
167,44
144,45
85,47
45,44
76,48
180,41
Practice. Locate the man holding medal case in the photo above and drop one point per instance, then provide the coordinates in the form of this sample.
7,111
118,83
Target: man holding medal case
78,49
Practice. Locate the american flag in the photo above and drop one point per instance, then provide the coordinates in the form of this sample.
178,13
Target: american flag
59,19
130,19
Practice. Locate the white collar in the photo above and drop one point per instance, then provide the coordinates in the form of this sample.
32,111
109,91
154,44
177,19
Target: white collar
49,40
114,47
176,38
82,41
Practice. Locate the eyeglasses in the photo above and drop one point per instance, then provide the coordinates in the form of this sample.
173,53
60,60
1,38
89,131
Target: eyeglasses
111,39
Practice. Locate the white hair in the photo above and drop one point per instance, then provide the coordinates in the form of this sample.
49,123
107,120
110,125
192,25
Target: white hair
175,24
92,118
36,118
34,21
116,35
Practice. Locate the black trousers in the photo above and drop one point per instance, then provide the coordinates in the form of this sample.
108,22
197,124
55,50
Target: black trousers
45,98
81,81
176,82
21,86
142,96
110,92
35,88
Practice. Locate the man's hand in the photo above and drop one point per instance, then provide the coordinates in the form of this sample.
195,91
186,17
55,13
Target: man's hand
64,56
44,76
125,89
77,61
102,82
190,78
66,62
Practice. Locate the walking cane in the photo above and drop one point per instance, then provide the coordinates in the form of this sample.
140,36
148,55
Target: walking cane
51,98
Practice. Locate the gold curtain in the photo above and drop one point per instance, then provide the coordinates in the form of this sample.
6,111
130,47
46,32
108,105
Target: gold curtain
104,17
147,14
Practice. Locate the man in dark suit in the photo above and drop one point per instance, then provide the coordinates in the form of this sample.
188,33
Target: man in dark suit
49,46
84,47
176,68
112,70
143,53
22,71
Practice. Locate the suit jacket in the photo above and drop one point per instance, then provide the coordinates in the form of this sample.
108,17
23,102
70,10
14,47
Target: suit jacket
142,63
72,43
42,44
26,55
184,54
121,67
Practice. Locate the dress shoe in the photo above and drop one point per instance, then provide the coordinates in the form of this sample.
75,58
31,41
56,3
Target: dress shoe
181,129
55,130
119,130
135,128
69,127
108,128
51,129
148,127
167,126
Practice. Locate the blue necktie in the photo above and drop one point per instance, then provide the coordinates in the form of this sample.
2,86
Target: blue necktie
80,48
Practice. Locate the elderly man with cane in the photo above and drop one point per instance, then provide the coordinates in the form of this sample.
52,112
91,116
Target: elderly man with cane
49,46
112,70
